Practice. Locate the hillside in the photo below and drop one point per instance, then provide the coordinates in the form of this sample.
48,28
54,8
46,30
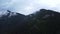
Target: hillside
42,22
11,22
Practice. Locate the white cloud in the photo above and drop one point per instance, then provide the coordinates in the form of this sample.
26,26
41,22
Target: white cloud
29,6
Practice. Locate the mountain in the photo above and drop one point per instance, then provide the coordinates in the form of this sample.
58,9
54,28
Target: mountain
11,22
44,22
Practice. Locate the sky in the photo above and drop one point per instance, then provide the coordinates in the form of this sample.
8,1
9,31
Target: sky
27,7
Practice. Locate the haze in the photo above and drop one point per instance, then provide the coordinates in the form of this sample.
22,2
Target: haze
27,7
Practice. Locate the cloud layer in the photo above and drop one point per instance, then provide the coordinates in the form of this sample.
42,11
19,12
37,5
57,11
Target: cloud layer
29,6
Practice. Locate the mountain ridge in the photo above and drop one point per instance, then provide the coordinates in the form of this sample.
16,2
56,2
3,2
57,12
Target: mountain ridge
44,21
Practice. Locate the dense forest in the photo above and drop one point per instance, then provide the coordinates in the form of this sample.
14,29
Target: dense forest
42,22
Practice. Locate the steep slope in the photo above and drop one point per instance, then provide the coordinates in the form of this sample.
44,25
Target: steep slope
44,22
41,22
11,22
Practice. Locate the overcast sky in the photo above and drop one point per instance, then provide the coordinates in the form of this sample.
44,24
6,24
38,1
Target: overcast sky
29,6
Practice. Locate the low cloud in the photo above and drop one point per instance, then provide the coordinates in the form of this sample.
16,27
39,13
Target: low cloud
29,6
